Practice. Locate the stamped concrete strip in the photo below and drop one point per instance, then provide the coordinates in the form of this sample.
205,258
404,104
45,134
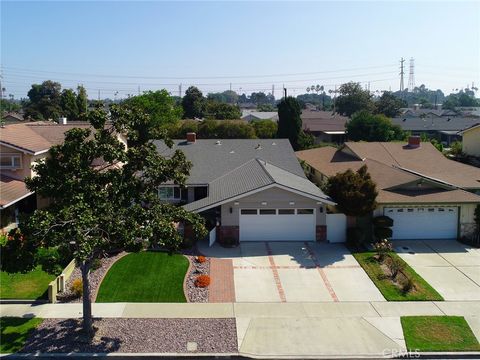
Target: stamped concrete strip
172,310
271,310
391,327
340,309
403,308
464,308
306,337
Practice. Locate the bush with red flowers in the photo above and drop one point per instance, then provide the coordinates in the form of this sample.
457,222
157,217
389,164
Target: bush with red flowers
17,254
202,281
201,259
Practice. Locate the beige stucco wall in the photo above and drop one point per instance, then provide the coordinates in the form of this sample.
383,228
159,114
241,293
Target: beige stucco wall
466,214
27,162
471,142
275,198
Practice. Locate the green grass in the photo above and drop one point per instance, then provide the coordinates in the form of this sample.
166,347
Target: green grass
145,277
14,332
32,285
438,333
423,291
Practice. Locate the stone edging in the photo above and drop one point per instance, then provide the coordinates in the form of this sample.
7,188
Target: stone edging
185,279
94,298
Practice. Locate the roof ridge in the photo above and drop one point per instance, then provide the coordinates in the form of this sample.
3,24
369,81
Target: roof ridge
389,153
231,171
263,164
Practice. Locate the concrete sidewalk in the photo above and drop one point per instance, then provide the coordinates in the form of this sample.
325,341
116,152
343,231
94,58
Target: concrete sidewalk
300,330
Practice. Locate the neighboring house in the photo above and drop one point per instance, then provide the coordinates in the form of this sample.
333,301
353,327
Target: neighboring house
471,140
326,126
251,115
250,190
12,118
427,195
443,128
21,145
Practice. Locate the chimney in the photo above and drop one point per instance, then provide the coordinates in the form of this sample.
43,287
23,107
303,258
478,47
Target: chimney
191,137
63,121
414,141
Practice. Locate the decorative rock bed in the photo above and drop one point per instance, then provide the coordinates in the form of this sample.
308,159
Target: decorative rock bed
135,336
96,276
193,293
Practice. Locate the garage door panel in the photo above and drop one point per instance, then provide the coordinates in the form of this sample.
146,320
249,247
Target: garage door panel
424,223
286,227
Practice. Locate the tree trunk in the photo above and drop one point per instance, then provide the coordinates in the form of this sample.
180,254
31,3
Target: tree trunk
87,303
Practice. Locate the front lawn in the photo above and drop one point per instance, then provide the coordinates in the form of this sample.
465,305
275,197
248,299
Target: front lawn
31,285
145,277
421,291
14,332
438,333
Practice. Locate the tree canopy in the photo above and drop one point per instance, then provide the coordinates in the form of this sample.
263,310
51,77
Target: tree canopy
221,111
365,126
193,103
354,192
389,105
464,98
104,196
353,98
289,121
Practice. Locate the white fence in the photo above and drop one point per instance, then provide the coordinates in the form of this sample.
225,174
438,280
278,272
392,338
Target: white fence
58,284
336,228
212,237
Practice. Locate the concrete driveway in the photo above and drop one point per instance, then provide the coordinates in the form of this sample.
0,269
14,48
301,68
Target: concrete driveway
452,268
295,272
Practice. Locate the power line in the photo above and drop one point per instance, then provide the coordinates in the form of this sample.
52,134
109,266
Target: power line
401,74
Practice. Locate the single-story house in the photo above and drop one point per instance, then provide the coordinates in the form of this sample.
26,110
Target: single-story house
326,126
12,118
427,195
444,128
252,115
21,145
471,140
250,189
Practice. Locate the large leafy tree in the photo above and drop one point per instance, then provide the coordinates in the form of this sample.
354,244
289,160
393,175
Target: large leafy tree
193,103
44,101
222,111
353,98
289,121
265,129
68,102
104,196
354,192
159,105
82,100
365,126
389,105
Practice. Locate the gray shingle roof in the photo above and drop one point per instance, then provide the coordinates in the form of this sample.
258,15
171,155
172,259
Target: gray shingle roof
456,123
211,161
254,175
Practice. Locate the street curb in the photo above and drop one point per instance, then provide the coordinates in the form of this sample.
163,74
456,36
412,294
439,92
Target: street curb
22,302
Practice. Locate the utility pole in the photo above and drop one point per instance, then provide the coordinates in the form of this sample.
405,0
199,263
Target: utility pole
335,100
138,89
230,86
98,94
411,75
401,74
273,90
180,90
284,91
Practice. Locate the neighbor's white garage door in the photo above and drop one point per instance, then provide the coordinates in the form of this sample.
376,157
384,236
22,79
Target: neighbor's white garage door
424,222
277,224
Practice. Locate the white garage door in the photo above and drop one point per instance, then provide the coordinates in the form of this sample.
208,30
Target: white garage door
277,224
424,222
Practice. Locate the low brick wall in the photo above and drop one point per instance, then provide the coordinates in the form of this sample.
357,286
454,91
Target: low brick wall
58,284
321,233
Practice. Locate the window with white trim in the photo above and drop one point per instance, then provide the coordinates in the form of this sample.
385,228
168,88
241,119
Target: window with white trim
11,161
170,193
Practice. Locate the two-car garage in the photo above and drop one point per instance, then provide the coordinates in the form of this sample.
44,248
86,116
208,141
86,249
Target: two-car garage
277,224
435,222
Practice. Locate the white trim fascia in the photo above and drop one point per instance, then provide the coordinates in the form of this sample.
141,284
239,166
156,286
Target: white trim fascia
251,192
25,151
16,200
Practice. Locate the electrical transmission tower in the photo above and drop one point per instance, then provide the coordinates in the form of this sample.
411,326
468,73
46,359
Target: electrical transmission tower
401,74
411,75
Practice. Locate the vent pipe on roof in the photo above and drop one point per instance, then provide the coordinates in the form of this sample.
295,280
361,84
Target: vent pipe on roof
63,121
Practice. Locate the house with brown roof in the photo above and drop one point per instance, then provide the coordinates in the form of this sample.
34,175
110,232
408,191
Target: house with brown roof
326,126
471,140
427,195
21,145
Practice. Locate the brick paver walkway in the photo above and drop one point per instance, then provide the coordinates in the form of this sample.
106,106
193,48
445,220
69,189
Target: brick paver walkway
222,287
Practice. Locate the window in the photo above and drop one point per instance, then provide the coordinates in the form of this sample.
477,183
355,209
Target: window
304,211
286,211
268,212
10,161
409,210
170,193
431,210
249,212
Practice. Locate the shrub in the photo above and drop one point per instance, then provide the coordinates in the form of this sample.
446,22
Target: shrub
187,243
201,259
202,281
229,242
382,248
383,221
395,265
383,233
406,284
355,236
77,287
134,246
51,260
96,264
17,254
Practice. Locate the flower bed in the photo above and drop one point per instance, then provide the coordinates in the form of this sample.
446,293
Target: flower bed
199,265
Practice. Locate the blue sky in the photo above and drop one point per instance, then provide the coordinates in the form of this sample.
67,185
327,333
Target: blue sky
119,46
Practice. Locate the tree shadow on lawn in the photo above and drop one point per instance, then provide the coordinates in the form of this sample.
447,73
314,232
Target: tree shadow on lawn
65,336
